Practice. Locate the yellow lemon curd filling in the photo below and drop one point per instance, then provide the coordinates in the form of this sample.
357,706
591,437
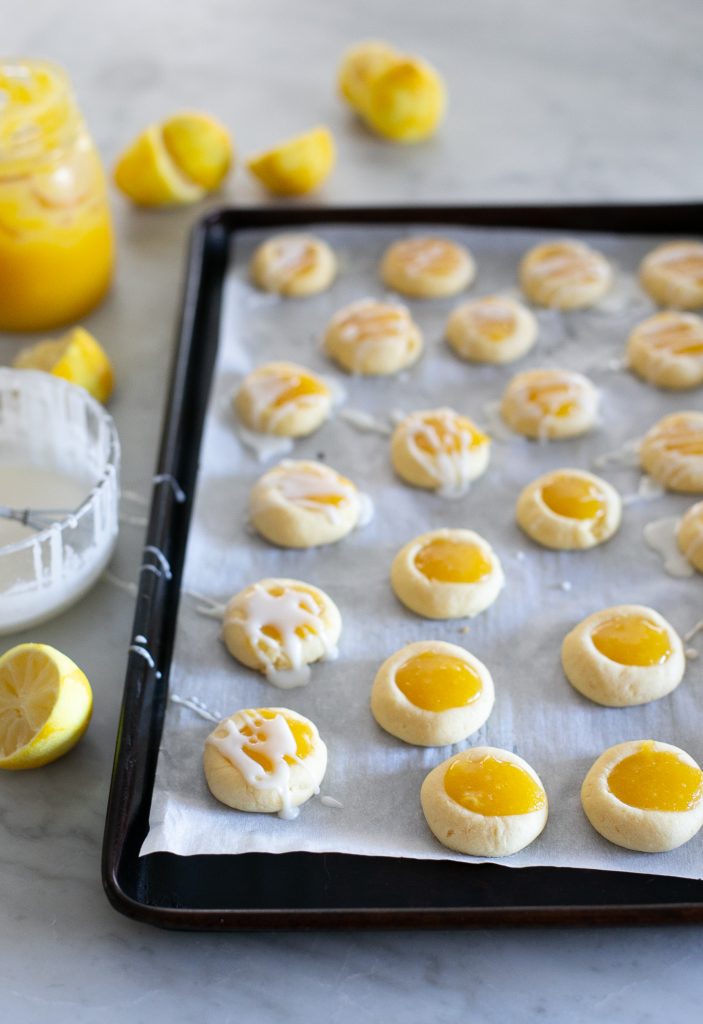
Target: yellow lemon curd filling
450,561
684,439
656,780
56,249
552,399
679,338
299,385
494,320
493,787
632,640
449,434
301,734
437,682
573,497
306,629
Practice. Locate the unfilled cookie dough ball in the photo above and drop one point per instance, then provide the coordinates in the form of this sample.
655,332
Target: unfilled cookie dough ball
485,802
283,399
493,329
432,693
439,450
672,452
565,275
280,627
550,404
304,504
447,574
569,509
672,274
373,338
644,795
622,656
266,760
667,350
294,265
427,268
689,535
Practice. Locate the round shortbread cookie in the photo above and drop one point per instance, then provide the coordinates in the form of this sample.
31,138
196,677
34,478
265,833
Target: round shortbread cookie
266,760
667,350
485,802
283,399
439,450
293,265
432,694
629,794
622,656
569,509
689,535
493,329
373,338
565,274
672,274
427,267
447,574
672,452
550,404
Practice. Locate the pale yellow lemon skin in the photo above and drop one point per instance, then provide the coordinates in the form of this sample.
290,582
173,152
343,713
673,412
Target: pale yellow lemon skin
69,717
401,98
77,357
298,165
176,162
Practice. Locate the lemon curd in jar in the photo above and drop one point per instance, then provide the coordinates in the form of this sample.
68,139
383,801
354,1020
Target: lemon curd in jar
56,248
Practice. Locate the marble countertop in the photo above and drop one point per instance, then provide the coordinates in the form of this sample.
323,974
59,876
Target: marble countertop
548,102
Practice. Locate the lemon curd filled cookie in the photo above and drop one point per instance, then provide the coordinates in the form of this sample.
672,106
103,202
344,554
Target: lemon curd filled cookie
280,627
672,274
427,268
439,450
645,796
672,452
293,265
623,656
266,760
493,329
283,399
373,338
303,504
569,509
432,694
447,574
550,404
667,350
485,802
689,535
565,275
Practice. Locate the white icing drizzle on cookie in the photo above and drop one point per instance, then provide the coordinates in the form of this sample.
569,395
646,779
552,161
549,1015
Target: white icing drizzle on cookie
672,463
648,489
555,389
288,256
266,389
568,264
273,738
427,256
452,470
660,536
286,612
303,483
366,324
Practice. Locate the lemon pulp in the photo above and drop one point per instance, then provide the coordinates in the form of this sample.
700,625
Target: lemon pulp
450,561
632,640
656,780
493,787
573,497
19,723
436,682
301,734
449,434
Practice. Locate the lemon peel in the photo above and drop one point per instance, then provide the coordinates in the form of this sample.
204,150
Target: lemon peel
45,706
77,357
296,165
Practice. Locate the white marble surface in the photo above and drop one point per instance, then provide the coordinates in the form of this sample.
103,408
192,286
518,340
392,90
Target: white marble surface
549,101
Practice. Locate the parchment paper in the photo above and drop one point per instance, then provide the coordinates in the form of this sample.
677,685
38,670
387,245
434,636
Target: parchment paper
537,714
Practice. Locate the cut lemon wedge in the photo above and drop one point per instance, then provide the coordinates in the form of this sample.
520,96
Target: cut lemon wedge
45,706
297,165
147,173
77,357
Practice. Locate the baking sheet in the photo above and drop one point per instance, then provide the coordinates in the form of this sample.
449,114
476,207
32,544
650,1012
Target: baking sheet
375,777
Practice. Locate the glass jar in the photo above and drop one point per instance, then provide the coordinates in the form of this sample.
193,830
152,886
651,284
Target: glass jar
56,247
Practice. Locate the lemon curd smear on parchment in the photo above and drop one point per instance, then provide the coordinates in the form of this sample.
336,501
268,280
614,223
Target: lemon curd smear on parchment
56,246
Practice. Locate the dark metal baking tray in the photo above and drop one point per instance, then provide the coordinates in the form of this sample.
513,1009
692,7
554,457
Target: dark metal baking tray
303,890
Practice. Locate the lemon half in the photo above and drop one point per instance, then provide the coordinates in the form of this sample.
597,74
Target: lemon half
297,165
77,357
45,706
